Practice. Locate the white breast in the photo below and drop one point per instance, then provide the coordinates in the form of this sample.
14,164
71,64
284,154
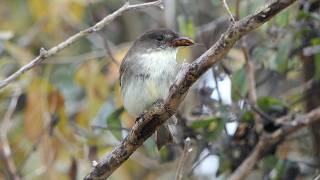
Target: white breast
162,68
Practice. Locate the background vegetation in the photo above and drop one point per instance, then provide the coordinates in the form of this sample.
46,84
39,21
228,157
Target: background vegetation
67,112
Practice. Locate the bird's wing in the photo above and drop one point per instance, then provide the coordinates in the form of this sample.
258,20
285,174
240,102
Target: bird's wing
122,70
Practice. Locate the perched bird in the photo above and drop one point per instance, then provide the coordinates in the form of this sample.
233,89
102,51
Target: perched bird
147,72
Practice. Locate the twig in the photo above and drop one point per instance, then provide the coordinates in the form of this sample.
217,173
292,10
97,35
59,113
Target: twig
224,2
185,154
252,95
103,36
5,150
44,54
237,16
151,120
267,140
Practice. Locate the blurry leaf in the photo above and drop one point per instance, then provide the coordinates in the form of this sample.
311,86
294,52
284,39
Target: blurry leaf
270,161
247,116
235,60
164,153
204,123
113,121
36,108
303,15
186,26
6,35
39,8
270,104
283,18
239,84
282,54
23,55
76,10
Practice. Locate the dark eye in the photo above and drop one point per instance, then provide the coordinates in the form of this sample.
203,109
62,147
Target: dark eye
160,38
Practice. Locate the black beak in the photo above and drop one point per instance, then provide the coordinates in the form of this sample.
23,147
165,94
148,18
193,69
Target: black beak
182,41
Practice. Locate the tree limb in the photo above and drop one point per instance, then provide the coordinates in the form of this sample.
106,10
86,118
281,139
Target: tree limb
44,54
151,120
267,140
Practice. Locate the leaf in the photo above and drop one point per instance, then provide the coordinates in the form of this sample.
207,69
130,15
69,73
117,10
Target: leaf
239,84
283,18
247,116
204,123
270,104
114,123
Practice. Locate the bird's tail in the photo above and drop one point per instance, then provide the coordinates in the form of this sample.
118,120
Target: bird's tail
165,134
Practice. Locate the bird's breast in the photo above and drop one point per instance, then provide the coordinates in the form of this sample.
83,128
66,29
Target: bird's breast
157,72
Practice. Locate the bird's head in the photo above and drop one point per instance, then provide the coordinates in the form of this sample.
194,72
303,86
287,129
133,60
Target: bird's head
162,39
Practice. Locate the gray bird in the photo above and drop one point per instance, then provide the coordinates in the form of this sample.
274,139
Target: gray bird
147,72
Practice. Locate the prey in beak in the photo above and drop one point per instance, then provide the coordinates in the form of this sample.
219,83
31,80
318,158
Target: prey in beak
181,41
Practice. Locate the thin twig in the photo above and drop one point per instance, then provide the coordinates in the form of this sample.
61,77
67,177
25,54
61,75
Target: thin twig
44,54
103,36
252,95
237,16
185,154
152,119
224,2
5,150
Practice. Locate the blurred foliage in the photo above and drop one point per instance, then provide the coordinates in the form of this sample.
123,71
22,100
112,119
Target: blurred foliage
69,112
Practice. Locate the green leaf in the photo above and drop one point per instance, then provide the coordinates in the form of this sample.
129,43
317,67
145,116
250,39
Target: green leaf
204,123
247,116
283,18
239,84
186,26
114,123
268,104
270,161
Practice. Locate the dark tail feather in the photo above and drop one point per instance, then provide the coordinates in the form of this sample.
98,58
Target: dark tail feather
163,136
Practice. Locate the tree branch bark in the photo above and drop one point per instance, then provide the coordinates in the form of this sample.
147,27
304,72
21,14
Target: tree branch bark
151,120
44,54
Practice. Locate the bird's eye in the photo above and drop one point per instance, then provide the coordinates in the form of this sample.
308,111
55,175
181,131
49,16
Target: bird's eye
160,38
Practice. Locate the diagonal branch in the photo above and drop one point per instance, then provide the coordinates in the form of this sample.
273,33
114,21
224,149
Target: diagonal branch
44,54
268,140
150,121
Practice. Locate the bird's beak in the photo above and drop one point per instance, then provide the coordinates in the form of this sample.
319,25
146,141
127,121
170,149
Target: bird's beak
182,41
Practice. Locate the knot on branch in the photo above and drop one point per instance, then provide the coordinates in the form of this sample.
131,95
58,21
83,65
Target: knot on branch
43,52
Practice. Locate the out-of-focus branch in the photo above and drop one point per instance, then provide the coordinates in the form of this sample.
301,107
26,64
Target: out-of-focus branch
267,140
151,120
5,150
103,36
252,94
44,54
224,2
185,154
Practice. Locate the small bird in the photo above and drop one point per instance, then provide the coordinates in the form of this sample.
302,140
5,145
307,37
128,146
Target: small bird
147,72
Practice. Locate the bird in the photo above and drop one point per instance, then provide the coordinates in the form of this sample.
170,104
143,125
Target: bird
146,73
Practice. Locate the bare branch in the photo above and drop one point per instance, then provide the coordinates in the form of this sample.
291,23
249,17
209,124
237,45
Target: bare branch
44,54
267,140
151,120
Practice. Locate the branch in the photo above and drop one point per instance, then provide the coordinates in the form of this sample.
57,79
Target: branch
252,95
44,54
268,140
185,154
5,149
151,120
